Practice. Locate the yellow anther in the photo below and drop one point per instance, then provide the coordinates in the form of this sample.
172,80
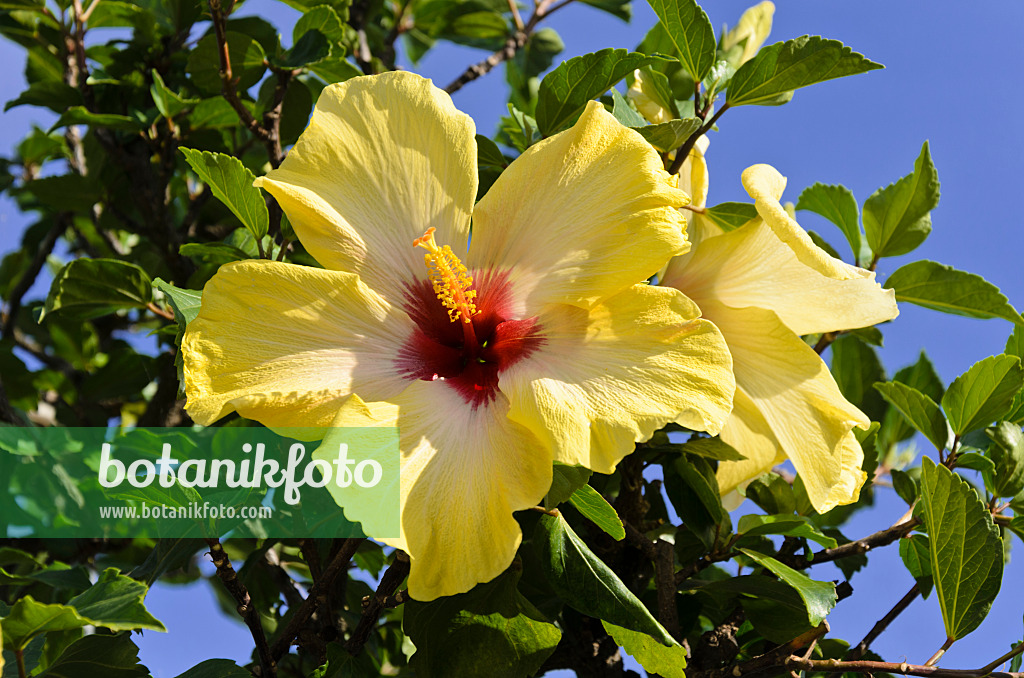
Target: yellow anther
452,284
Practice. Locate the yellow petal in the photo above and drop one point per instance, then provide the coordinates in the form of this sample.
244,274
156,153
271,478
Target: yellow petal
792,389
580,216
645,98
750,435
464,471
867,302
753,266
607,378
384,158
283,344
754,25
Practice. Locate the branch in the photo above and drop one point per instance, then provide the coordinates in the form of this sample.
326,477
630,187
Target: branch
882,538
777,658
317,593
477,70
374,605
882,624
248,612
684,151
227,78
834,666
512,45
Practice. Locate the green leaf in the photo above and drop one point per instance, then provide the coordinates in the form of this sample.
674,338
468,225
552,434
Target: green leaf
216,668
186,303
966,551
915,551
90,288
565,480
731,215
57,96
667,661
617,8
308,49
779,69
772,494
670,135
787,524
1007,453
591,504
115,602
232,184
943,288
335,70
98,655
167,102
983,394
80,115
584,582
837,204
690,30
322,18
212,252
28,618
492,630
856,368
904,485
565,91
897,218
920,411
711,448
488,154
247,62
693,490
625,113
819,597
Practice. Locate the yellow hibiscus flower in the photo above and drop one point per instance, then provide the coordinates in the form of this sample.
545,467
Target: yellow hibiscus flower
544,345
763,285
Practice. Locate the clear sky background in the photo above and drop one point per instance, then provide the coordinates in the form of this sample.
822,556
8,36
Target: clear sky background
953,76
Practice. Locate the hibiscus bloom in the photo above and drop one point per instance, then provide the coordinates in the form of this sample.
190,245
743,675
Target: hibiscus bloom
763,285
533,341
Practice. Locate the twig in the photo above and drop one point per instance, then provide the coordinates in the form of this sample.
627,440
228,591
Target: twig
1005,658
684,151
853,548
514,8
882,624
227,78
482,68
776,658
160,312
515,42
834,666
313,598
392,578
248,612
941,651
665,574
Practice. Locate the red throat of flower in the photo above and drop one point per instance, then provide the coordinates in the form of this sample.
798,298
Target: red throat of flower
464,334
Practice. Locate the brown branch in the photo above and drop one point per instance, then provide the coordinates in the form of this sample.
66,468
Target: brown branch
317,594
227,78
514,43
248,611
156,310
684,151
882,624
853,548
868,667
777,658
375,604
482,68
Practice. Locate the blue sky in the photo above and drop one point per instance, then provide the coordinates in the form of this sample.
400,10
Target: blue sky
952,77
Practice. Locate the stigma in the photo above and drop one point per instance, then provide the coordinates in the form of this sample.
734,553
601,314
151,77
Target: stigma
452,284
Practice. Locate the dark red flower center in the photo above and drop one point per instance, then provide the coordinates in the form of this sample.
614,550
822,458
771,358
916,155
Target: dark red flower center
467,356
